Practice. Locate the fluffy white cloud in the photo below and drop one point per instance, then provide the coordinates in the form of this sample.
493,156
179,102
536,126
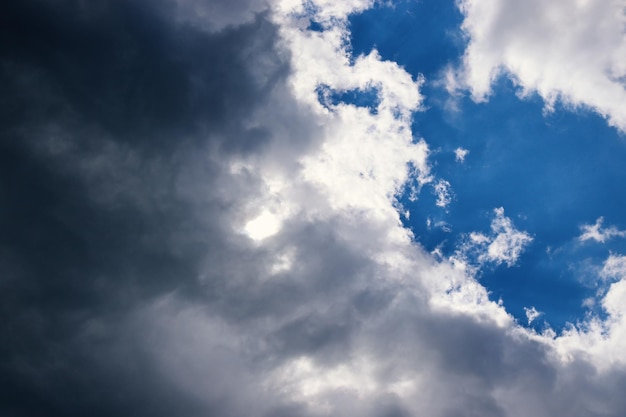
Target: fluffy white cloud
614,267
602,342
598,233
349,181
460,154
568,51
508,243
504,244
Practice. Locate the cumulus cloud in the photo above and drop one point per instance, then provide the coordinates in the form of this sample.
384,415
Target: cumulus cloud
602,341
614,267
568,52
460,154
504,244
508,242
598,233
187,230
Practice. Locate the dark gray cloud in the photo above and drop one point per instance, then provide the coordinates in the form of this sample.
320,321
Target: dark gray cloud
107,109
217,14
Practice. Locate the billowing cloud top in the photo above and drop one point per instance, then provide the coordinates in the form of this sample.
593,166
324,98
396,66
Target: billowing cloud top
568,52
192,227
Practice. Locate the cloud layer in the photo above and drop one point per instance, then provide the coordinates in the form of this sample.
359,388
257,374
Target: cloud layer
188,230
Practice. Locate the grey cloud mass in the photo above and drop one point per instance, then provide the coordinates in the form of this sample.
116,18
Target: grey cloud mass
109,111
130,140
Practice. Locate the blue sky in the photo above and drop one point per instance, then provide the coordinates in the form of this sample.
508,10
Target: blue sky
552,172
312,208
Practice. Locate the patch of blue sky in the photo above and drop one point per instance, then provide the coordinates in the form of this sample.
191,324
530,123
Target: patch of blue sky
368,97
422,36
315,26
552,173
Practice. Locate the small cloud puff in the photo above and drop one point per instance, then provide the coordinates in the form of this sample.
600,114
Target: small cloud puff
460,154
443,193
503,245
599,234
531,314
508,243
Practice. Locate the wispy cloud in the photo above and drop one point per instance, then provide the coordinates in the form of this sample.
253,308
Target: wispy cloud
598,233
531,314
443,193
614,267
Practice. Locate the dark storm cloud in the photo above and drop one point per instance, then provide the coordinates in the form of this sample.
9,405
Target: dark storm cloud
124,68
104,107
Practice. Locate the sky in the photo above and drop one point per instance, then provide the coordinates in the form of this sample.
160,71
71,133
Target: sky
312,208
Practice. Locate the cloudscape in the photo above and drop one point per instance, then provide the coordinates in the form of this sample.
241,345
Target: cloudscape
310,208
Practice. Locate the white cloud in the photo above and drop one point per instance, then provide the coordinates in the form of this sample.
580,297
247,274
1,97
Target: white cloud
568,51
598,233
504,244
614,267
508,243
460,154
443,193
351,179
531,314
588,302
603,342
